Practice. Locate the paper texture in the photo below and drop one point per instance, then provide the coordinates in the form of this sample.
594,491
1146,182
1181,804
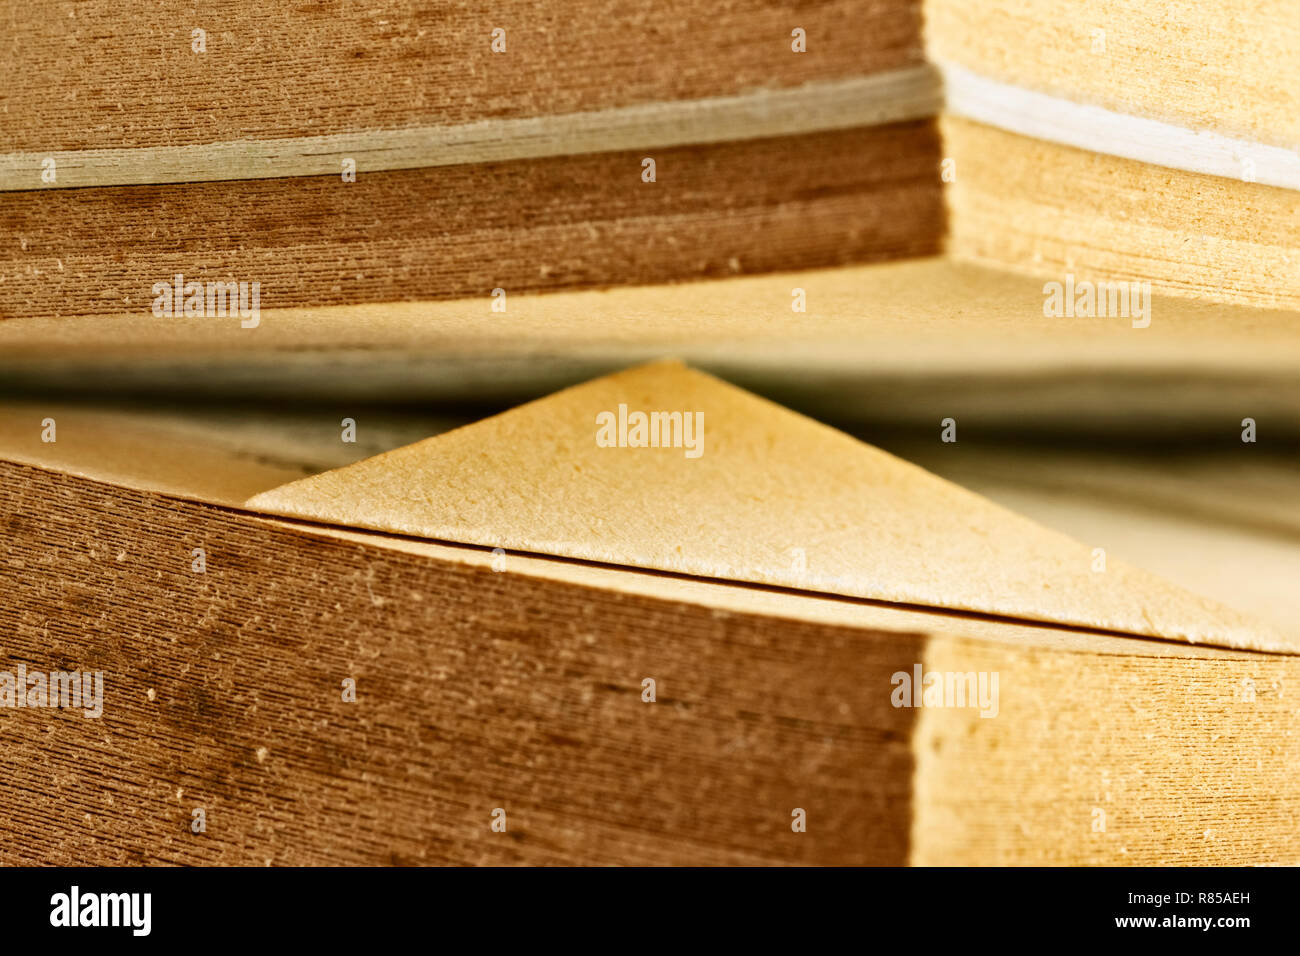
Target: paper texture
771,498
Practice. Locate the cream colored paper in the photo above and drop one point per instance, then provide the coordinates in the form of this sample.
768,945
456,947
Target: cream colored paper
773,498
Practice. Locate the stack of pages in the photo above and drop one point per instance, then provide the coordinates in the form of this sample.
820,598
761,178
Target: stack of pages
637,636
385,478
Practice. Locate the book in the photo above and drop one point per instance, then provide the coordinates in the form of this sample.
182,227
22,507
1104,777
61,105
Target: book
951,522
412,153
537,639
417,155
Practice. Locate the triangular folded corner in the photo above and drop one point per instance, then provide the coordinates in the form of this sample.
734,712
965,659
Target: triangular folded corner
666,468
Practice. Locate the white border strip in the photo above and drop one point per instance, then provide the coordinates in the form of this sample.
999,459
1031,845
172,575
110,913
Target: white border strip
1098,130
896,96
